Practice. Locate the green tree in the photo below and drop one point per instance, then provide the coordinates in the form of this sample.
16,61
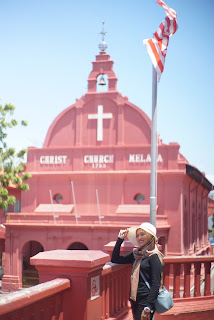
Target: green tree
12,167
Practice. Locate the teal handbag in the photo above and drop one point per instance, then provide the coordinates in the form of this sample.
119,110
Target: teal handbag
164,300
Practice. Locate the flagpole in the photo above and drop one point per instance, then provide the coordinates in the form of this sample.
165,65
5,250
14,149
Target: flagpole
153,176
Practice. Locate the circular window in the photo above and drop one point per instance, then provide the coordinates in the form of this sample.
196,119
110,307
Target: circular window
139,198
58,197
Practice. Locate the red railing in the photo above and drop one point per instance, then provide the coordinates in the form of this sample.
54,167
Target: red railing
43,301
188,276
183,276
115,290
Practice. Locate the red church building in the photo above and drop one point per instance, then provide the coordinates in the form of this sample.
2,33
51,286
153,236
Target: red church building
92,177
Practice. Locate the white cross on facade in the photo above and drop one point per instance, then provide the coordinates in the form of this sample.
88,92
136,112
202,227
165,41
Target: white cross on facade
99,116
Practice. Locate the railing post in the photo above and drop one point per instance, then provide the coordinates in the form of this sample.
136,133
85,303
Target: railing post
104,300
83,267
107,314
197,279
176,281
111,296
207,266
113,300
187,267
166,275
121,290
117,283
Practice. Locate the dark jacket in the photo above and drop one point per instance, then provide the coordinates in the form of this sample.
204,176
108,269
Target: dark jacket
151,269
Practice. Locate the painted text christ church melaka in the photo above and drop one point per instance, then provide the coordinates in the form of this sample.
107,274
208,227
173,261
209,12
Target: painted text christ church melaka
95,164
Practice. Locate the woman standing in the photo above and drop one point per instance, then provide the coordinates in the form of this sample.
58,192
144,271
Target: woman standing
146,261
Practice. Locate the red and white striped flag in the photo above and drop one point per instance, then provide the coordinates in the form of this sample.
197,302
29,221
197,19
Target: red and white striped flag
157,46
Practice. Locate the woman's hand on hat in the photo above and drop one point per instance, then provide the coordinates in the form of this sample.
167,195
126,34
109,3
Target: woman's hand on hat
123,233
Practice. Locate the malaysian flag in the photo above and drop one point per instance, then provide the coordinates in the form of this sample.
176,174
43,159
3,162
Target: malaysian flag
157,46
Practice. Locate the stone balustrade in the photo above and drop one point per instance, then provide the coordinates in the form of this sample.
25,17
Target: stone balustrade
44,301
191,275
115,290
84,285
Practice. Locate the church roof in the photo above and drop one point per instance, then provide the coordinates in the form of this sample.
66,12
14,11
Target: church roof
195,174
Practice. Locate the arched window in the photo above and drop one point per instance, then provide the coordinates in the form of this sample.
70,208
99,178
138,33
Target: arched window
77,246
139,197
58,197
30,275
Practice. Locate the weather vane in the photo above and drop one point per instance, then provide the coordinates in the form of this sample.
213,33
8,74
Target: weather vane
103,45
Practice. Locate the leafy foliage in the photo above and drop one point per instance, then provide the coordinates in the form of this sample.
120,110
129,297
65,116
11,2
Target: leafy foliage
12,167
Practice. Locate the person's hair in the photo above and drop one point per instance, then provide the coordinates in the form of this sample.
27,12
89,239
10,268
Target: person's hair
152,240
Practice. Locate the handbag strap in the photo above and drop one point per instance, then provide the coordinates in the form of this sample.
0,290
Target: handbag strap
146,282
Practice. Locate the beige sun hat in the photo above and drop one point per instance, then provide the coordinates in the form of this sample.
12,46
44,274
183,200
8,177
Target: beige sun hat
146,226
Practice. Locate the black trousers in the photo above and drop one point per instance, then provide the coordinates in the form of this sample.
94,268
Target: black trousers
137,309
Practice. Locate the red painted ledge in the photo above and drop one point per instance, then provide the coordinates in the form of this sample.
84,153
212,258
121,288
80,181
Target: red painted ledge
195,308
19,299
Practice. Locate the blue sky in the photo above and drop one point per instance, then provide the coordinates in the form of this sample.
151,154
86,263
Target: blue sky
47,47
